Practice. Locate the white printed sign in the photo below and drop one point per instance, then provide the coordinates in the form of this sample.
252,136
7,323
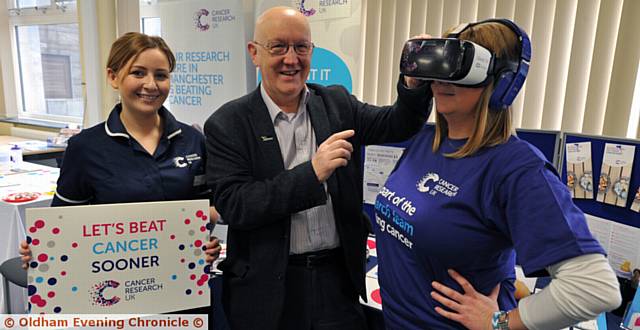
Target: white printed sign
379,161
118,258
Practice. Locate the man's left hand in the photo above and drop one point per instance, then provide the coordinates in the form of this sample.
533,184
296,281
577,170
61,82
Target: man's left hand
471,309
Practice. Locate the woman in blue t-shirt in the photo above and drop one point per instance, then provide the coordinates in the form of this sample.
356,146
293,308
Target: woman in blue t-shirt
141,153
468,196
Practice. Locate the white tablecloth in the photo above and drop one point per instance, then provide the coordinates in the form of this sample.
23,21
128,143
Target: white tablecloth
37,178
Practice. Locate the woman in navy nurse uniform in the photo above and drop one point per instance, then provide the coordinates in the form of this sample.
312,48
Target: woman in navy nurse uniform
141,153
465,199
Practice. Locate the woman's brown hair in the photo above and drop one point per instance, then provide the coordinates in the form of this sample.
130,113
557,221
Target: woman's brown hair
131,44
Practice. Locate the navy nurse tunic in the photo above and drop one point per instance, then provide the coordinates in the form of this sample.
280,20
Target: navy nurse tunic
104,164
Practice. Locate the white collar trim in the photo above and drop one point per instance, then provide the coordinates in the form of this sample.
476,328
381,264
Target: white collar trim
174,133
106,128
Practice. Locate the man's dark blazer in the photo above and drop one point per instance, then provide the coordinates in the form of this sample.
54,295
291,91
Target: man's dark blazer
255,195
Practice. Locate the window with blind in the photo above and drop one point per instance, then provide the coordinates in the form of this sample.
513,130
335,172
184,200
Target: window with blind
56,74
584,67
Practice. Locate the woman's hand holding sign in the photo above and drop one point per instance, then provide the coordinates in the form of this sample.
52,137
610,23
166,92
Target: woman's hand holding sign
25,253
213,247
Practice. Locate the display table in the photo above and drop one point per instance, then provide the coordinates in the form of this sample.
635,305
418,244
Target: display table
34,150
29,178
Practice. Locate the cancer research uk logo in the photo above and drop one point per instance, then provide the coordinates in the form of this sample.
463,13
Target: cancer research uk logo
422,183
305,11
97,293
202,17
432,184
186,160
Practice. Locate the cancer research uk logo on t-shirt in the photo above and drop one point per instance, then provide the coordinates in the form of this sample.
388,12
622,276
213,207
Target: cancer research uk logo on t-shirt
432,184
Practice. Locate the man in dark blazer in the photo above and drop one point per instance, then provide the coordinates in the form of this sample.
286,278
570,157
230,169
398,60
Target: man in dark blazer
284,164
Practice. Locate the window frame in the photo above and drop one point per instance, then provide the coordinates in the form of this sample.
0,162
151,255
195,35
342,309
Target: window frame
11,70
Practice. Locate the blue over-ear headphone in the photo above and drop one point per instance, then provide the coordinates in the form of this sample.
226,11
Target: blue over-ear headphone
509,80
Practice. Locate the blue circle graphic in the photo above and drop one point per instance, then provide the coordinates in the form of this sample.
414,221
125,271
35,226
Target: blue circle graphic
327,68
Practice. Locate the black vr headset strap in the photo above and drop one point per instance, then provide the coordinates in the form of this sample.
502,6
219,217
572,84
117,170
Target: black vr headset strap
455,33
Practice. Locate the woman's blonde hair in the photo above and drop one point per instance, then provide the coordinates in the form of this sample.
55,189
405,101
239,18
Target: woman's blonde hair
492,126
131,44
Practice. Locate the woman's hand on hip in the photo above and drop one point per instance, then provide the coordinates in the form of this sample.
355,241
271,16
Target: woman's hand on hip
471,309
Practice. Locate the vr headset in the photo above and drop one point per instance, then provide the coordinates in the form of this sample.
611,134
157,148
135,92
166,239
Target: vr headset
451,60
468,64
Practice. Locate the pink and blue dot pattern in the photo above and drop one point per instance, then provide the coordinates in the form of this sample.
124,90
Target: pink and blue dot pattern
42,262
194,261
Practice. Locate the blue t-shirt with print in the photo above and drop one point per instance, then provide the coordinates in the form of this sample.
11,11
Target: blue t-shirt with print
472,215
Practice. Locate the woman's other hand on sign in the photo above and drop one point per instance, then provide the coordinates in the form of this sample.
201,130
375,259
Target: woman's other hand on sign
25,253
213,249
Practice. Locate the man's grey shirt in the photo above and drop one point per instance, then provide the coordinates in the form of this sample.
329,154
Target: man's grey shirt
315,228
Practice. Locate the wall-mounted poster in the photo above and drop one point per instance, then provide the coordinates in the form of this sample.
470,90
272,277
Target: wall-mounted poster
142,258
579,170
617,162
208,40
